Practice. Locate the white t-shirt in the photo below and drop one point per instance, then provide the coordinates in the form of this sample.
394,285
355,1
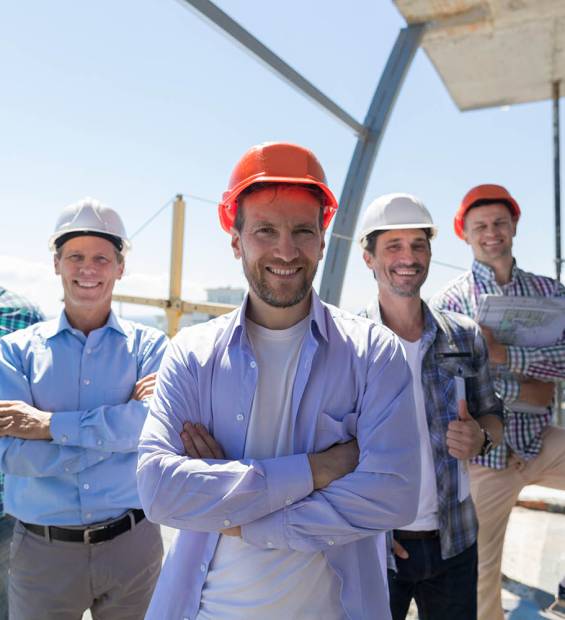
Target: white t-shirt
426,519
245,582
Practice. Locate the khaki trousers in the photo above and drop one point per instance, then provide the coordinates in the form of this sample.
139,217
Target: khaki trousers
60,580
495,492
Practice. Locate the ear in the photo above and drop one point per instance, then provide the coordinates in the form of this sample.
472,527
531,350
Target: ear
465,236
235,242
369,260
322,248
514,226
121,268
56,265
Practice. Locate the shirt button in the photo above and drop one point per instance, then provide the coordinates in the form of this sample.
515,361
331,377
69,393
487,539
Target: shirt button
269,544
89,351
239,417
100,458
331,542
99,442
88,515
253,364
86,381
86,486
203,567
227,522
67,469
288,501
64,438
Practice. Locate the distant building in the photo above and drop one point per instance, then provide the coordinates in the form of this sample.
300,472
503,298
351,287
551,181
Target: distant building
225,295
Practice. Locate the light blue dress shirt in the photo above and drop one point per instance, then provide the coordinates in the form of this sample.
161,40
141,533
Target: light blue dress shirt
86,474
352,381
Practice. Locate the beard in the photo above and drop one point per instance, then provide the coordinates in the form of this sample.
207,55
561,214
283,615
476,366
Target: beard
411,289
285,295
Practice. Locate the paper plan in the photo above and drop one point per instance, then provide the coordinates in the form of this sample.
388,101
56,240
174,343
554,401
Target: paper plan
523,321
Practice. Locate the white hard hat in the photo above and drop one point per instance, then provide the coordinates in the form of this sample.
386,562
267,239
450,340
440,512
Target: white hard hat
395,211
90,216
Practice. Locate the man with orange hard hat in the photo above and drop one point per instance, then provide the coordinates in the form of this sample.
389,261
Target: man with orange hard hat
533,451
281,438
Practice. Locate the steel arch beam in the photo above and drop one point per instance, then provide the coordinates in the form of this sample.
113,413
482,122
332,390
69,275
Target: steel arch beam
229,26
363,160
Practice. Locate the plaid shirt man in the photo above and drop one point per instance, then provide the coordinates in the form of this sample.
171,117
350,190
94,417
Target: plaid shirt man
16,312
523,431
452,346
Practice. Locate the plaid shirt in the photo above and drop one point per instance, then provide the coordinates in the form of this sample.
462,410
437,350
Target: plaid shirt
452,345
523,431
16,312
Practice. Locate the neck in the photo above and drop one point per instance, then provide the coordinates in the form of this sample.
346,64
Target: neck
272,317
87,320
502,268
403,315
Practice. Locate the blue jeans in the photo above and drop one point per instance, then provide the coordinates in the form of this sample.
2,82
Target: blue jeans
442,589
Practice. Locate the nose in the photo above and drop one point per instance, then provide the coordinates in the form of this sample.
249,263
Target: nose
286,247
87,267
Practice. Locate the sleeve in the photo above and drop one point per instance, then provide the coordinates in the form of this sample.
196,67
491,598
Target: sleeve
507,388
381,494
21,457
543,363
113,428
205,495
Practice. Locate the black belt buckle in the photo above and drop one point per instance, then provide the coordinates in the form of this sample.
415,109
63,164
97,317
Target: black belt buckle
89,530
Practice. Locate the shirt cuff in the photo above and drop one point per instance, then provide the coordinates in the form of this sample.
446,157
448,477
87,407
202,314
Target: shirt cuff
65,428
520,358
267,532
289,479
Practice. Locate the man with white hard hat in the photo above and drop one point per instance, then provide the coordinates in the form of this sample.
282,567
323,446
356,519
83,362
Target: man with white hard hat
74,396
281,514
458,414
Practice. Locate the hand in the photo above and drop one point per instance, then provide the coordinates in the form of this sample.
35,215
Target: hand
497,353
535,392
199,444
143,389
335,462
465,437
18,419
399,550
232,531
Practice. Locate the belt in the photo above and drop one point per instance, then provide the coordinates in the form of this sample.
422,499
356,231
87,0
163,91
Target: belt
415,535
92,534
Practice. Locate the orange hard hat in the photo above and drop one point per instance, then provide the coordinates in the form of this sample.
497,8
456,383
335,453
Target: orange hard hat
493,193
275,162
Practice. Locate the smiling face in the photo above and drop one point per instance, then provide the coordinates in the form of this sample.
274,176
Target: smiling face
400,262
88,267
489,231
280,245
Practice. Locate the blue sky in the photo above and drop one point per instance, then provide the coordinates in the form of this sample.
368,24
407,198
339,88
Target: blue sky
133,102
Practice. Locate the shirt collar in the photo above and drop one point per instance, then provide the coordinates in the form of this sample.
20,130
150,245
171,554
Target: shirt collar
482,271
317,318
56,326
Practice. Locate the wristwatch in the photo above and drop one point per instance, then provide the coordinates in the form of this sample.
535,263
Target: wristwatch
488,443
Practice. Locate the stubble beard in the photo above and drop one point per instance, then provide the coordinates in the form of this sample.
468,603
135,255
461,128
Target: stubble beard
257,282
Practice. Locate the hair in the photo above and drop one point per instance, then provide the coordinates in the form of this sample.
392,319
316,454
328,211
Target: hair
255,187
369,242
